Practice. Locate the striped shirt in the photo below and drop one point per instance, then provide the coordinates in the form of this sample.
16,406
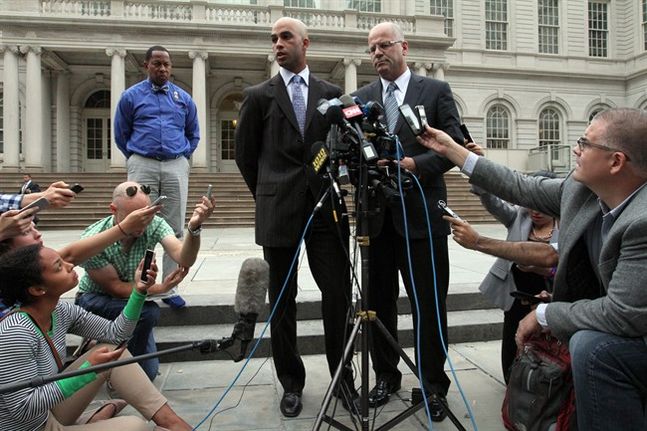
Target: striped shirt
10,202
124,262
24,354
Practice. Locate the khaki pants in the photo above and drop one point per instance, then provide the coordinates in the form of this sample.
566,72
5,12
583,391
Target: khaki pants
129,381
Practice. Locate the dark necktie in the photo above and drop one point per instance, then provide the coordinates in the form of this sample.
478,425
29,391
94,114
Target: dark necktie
391,106
298,102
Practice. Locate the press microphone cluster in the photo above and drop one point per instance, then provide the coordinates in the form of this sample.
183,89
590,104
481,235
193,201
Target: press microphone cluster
253,281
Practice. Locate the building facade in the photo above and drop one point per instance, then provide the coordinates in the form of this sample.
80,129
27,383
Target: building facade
527,74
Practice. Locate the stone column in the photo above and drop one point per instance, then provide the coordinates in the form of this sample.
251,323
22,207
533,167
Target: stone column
11,108
117,86
350,74
274,65
422,68
199,159
63,155
439,70
33,127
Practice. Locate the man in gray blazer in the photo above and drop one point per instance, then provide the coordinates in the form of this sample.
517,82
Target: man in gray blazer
602,207
277,128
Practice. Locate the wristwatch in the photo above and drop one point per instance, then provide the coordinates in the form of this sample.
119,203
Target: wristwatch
194,232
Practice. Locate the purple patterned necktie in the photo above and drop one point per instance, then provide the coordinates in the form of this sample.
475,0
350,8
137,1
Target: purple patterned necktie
298,102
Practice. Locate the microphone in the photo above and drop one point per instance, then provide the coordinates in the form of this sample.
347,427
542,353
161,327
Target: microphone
354,115
351,111
253,281
324,105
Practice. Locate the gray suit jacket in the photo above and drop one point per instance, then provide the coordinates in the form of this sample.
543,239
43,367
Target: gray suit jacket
499,282
623,259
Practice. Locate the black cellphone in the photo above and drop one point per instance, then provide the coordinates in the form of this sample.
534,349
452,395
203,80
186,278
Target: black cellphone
40,203
77,188
148,260
122,344
447,210
466,133
517,294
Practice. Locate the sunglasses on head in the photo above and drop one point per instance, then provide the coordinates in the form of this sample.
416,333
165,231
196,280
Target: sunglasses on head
132,190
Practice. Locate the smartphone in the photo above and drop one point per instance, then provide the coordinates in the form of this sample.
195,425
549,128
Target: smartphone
209,190
411,119
148,260
122,344
159,201
466,133
447,210
528,297
422,114
77,188
40,203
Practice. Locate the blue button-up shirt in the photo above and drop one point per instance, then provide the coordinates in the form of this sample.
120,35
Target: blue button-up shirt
156,124
10,202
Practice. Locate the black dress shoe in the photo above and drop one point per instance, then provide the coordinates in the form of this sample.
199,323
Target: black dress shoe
350,402
437,410
380,393
291,404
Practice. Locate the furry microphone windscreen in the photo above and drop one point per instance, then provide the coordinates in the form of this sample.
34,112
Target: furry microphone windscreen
253,281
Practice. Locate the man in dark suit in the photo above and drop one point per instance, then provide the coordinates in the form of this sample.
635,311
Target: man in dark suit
28,185
277,127
599,303
388,250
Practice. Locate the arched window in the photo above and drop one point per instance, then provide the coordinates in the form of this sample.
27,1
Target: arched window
549,127
595,111
498,127
99,99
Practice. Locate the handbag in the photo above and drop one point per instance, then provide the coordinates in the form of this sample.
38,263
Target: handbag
540,394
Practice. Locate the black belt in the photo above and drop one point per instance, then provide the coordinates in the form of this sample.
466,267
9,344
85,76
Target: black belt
170,157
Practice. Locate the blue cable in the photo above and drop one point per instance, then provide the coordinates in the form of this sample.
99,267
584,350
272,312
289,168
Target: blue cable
267,323
433,265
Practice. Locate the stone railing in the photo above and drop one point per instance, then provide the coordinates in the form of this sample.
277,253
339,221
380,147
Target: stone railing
189,11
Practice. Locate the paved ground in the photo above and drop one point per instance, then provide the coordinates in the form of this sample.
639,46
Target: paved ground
194,388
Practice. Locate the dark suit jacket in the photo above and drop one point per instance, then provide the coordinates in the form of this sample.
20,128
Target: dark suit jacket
623,258
275,159
32,187
436,96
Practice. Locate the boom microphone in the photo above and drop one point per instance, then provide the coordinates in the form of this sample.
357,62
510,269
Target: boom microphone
253,281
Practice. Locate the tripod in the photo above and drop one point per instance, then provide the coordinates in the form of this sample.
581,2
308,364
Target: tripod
364,320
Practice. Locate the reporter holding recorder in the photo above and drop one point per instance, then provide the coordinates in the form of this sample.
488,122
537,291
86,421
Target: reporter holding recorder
32,341
599,303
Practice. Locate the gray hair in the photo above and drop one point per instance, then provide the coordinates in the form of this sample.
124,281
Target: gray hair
626,129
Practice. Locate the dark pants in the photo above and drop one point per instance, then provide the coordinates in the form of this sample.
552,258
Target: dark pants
330,269
388,255
142,340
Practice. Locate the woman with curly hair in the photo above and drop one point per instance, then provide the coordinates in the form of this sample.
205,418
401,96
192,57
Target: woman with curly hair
32,341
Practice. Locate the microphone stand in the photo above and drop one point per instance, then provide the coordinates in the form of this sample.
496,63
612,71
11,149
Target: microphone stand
205,346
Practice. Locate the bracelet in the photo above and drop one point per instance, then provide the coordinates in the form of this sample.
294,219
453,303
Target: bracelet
194,232
121,229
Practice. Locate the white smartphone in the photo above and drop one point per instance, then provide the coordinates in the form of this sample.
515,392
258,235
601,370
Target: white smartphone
159,201
40,203
209,191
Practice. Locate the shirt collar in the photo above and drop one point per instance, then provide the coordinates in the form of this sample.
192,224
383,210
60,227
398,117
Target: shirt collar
615,212
287,75
402,82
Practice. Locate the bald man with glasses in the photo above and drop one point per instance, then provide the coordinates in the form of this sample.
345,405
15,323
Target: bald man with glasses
105,287
599,304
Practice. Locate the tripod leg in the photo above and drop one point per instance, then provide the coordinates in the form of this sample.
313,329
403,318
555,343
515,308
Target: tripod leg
338,374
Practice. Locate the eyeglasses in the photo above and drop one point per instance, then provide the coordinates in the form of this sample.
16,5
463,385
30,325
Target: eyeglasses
583,143
382,45
132,190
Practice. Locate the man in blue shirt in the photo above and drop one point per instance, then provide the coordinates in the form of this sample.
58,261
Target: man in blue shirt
156,127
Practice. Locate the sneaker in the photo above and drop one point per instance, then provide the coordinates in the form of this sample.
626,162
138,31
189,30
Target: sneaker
175,302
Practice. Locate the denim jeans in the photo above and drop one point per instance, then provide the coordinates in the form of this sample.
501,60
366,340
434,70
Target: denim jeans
610,376
142,340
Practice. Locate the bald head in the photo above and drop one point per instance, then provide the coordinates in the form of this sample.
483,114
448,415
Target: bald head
297,26
388,50
388,28
289,44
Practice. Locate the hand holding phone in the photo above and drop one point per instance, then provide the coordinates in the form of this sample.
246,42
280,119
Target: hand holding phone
39,203
209,191
466,133
411,119
530,298
447,210
148,261
159,201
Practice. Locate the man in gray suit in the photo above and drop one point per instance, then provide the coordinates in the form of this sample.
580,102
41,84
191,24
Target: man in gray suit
277,128
603,232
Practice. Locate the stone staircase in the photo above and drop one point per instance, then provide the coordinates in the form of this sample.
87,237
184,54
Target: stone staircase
234,203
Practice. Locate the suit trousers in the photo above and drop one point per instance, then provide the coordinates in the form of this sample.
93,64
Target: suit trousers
129,381
169,178
327,251
388,255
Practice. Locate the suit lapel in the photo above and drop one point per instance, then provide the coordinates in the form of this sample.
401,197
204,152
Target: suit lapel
584,216
283,100
314,94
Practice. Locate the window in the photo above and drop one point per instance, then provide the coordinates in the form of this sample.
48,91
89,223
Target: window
496,24
597,110
446,9
549,127
228,130
644,21
99,99
311,4
598,32
365,5
498,127
548,31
